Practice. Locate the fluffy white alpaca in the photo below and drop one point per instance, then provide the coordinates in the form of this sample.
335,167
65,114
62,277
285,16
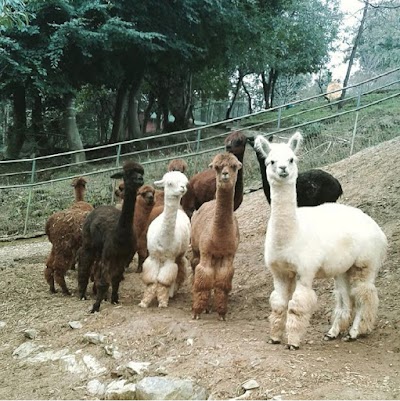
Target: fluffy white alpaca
330,240
168,238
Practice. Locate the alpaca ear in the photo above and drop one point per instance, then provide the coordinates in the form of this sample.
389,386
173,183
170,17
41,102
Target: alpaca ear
262,145
159,183
295,141
118,175
210,165
239,165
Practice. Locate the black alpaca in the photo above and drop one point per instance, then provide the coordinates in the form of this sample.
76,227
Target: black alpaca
109,240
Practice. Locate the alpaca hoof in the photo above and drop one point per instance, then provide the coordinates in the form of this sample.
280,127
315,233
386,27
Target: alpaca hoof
143,304
95,308
67,293
222,318
163,305
115,302
196,316
82,298
271,341
53,291
292,347
348,338
329,337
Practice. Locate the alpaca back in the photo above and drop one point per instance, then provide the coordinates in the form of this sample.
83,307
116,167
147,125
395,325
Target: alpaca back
341,236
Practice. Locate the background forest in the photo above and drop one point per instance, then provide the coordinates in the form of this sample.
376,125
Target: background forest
79,73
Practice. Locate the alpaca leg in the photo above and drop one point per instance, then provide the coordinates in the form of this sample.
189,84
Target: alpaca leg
102,287
162,293
85,262
49,276
59,277
342,312
223,286
149,294
182,263
166,278
365,296
279,299
115,282
151,268
300,309
202,284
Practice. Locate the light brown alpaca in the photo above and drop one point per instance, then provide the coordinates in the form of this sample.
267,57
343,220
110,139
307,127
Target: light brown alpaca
64,231
178,165
215,238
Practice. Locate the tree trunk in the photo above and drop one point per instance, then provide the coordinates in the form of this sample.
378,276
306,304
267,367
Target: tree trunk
353,53
16,135
273,79
235,94
266,90
37,122
71,129
133,115
120,107
250,108
147,112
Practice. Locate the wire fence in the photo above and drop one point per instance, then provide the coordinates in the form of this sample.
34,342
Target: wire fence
34,188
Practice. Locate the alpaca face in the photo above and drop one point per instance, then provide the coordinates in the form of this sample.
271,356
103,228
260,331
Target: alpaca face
235,143
147,193
226,167
280,159
174,184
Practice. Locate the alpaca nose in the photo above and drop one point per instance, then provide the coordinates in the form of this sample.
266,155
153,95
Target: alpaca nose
282,171
225,176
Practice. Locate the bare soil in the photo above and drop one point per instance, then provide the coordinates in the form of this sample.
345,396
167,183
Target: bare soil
218,355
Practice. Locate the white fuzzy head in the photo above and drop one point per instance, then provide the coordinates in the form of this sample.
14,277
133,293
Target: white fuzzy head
280,158
174,183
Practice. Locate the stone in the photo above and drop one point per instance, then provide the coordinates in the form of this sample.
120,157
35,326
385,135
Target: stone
93,365
75,324
95,338
169,388
136,368
31,333
26,349
2,325
46,356
95,387
250,385
120,390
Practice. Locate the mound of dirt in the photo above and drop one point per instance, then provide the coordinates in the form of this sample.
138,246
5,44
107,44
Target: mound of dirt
218,355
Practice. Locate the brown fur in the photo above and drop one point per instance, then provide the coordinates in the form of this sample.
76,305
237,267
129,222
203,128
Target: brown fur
64,231
202,186
178,165
215,238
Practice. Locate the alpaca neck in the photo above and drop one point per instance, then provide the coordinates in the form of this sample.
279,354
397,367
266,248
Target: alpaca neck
223,217
239,184
79,192
125,221
171,205
265,183
283,220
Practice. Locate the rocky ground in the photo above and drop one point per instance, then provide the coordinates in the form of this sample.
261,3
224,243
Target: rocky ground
219,356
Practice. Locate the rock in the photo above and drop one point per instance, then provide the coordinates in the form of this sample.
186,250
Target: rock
112,350
46,356
120,390
95,387
26,349
136,368
70,364
95,338
2,325
93,365
31,333
250,385
75,325
168,388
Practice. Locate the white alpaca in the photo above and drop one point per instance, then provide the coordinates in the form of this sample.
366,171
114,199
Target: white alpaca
168,238
330,240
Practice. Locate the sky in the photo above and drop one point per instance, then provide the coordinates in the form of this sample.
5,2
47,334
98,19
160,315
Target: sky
352,9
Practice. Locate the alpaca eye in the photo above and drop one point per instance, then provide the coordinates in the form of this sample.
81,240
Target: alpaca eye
272,162
291,160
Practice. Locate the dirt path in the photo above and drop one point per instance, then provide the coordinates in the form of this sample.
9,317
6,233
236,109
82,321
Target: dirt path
219,355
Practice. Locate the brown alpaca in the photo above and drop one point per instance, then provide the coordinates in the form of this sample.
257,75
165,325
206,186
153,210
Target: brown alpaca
144,206
64,231
202,186
215,238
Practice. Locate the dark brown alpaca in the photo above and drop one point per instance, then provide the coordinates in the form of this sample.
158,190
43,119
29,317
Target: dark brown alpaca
64,231
109,241
215,238
202,186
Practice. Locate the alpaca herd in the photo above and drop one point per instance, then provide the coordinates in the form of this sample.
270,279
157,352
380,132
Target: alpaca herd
184,220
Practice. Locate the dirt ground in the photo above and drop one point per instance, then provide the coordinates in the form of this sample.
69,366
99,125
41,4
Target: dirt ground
218,355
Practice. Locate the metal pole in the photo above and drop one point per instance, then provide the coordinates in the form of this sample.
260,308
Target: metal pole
30,195
355,124
117,165
279,117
